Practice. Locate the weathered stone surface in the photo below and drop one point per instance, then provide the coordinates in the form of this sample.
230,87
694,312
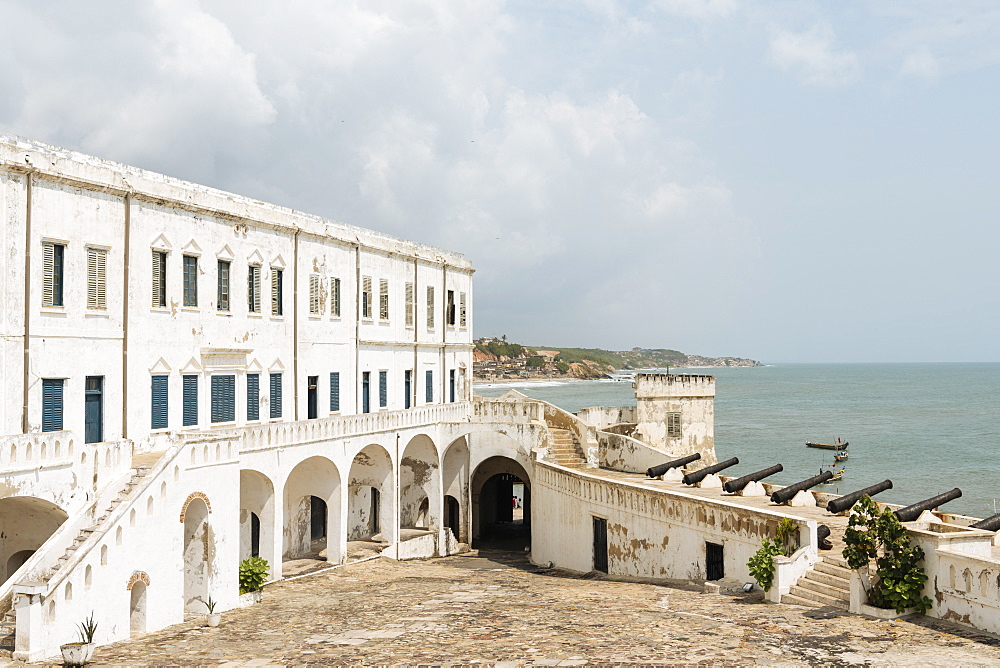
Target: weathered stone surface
494,608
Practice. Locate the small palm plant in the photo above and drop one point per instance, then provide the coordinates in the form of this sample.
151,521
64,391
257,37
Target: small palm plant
88,628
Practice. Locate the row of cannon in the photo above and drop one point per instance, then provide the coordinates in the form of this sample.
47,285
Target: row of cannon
785,494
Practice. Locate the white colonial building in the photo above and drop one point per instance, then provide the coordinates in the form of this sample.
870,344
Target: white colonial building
191,378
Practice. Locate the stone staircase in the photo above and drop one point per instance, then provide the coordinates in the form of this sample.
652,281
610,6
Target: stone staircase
141,465
564,448
826,584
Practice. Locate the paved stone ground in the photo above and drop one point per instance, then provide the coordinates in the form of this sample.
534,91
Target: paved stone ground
494,608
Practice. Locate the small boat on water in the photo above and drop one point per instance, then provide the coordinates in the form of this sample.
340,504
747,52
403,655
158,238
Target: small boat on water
840,456
838,474
828,446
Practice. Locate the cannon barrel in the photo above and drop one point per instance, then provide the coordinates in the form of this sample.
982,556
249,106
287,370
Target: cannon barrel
739,483
786,493
822,531
657,471
699,475
991,523
910,513
842,503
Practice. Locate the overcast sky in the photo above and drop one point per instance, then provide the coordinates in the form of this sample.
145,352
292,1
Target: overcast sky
787,181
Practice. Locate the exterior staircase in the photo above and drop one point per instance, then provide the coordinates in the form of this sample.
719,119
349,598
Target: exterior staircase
564,448
826,584
141,465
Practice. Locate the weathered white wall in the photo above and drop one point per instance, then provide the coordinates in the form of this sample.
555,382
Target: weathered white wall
657,394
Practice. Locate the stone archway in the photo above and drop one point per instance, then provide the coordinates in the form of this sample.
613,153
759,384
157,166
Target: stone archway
199,554
419,485
257,530
26,523
371,498
312,483
492,494
455,483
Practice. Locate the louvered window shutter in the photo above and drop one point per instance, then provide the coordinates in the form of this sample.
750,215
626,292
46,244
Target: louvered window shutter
409,304
335,297
334,391
253,288
253,396
190,400
430,307
159,404
48,274
366,297
314,294
223,398
276,395
461,309
276,276
52,404
429,392
383,299
97,278
383,388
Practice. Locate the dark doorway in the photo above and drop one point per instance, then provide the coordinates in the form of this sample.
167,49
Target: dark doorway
93,414
366,378
254,535
452,515
313,397
317,518
376,506
498,525
714,569
600,544
407,387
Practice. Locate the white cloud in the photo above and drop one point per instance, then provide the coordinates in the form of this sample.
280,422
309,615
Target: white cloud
921,64
699,9
811,56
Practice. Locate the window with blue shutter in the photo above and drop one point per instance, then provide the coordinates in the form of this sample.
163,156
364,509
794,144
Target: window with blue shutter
429,393
383,388
190,400
253,396
334,391
52,404
159,407
276,395
223,398
451,385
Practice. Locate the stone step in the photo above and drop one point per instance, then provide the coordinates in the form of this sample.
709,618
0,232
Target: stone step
832,569
791,599
825,589
829,579
816,599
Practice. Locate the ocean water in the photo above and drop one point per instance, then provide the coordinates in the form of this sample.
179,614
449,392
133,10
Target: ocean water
927,427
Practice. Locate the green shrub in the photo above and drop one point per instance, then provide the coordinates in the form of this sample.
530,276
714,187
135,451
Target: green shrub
253,574
761,564
562,367
898,582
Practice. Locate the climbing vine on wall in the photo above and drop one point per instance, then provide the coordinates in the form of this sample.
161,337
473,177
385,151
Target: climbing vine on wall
784,543
898,582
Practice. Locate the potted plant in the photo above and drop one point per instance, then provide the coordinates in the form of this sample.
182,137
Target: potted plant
79,653
253,574
213,617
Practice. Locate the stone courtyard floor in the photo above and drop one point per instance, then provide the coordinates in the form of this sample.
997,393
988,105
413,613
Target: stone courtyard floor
494,608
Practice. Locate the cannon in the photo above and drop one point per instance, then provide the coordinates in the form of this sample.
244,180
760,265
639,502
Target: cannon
739,483
786,493
822,537
842,503
697,476
991,523
910,513
657,471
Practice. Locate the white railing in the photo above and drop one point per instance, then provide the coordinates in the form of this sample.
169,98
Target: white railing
53,450
515,409
278,434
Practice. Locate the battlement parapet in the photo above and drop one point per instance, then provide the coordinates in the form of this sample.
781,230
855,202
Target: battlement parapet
664,385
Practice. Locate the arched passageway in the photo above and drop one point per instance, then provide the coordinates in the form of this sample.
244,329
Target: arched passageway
312,511
419,486
256,516
26,523
137,609
499,485
199,555
371,497
455,483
